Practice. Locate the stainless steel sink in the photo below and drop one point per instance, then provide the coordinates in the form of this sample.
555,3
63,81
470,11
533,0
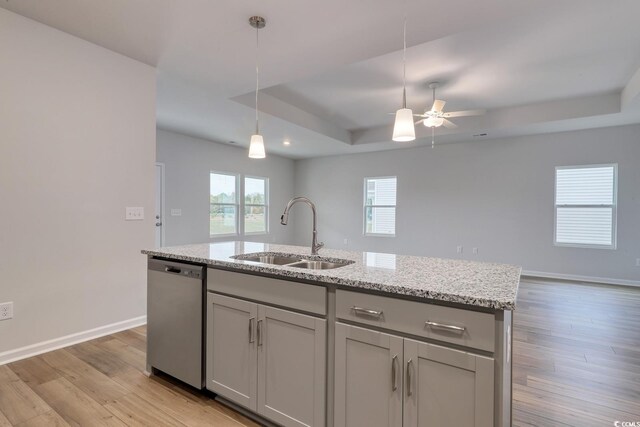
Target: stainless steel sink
296,261
319,265
271,259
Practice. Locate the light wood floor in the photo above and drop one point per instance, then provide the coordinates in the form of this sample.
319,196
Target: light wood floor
576,363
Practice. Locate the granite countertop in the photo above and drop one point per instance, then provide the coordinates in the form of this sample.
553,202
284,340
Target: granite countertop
472,283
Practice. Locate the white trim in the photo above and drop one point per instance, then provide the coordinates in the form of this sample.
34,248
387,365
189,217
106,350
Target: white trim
162,203
613,206
267,217
67,340
365,206
578,278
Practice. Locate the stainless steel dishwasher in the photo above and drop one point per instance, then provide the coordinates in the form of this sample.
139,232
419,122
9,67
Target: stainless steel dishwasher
175,322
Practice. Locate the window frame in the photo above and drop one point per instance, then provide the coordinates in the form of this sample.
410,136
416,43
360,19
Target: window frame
613,206
266,205
365,206
237,205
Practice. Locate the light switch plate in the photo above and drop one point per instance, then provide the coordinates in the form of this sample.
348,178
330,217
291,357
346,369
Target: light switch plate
6,310
176,212
134,214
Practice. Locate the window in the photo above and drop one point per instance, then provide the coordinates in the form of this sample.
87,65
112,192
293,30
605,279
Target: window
380,206
586,206
223,204
256,206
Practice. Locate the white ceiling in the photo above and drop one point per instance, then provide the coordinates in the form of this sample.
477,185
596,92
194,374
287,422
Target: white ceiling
332,69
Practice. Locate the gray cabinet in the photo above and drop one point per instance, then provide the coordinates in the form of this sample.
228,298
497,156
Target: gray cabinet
446,387
268,360
388,381
368,378
231,349
291,367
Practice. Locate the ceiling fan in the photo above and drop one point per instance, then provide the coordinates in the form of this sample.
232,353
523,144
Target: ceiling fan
436,117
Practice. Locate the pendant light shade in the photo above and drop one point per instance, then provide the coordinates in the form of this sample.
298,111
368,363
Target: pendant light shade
403,128
256,148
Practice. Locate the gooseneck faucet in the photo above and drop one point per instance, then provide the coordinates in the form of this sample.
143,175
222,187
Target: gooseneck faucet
315,246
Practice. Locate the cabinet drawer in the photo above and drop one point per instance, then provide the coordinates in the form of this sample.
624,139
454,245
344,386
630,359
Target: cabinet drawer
299,296
463,327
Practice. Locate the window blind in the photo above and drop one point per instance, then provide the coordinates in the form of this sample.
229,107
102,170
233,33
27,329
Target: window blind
585,205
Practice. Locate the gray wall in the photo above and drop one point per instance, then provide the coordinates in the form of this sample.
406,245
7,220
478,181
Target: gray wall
77,141
188,162
494,195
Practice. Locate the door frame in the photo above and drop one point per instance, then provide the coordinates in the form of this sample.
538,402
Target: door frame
162,204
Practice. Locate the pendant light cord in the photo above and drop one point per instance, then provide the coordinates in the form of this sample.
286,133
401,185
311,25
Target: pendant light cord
257,78
404,64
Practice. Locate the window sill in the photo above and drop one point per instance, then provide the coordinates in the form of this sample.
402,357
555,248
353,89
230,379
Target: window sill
584,246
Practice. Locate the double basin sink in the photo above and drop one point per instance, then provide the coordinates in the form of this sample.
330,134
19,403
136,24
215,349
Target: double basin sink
296,261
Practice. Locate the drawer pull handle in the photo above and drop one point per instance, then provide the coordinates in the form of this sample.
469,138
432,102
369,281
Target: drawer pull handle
460,329
367,311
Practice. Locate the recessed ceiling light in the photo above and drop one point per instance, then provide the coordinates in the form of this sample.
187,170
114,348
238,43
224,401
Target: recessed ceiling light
286,142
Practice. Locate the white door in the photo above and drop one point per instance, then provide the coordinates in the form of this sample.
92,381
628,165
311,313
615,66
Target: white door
231,349
368,378
159,203
291,367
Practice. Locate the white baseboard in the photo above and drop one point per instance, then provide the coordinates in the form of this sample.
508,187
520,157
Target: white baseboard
78,337
589,279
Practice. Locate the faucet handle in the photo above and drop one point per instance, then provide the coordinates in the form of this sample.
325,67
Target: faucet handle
320,245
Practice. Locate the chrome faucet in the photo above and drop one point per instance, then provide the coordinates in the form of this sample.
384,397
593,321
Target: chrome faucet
315,246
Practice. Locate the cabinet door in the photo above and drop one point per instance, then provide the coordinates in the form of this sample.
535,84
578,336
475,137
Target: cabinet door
446,387
291,367
368,378
231,349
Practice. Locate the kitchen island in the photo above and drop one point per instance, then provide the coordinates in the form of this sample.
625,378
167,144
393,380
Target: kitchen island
377,340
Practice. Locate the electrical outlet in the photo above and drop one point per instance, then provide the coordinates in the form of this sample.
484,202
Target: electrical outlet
475,251
345,241
459,249
637,262
6,311
176,212
134,214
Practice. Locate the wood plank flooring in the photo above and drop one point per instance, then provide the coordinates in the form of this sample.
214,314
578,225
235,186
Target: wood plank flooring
576,361
576,355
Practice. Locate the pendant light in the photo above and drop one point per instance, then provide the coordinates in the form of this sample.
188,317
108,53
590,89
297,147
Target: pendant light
256,147
403,128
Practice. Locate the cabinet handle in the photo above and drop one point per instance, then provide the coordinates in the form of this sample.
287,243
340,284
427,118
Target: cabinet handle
251,337
409,380
460,329
394,375
366,311
259,329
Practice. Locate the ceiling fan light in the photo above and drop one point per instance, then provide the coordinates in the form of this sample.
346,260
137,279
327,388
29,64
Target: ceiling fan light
403,128
433,122
256,147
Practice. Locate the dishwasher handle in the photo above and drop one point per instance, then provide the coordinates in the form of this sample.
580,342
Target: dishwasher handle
185,270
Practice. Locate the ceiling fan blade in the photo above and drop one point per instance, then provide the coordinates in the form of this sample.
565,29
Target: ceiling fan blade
438,105
449,124
465,113
420,115
419,121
